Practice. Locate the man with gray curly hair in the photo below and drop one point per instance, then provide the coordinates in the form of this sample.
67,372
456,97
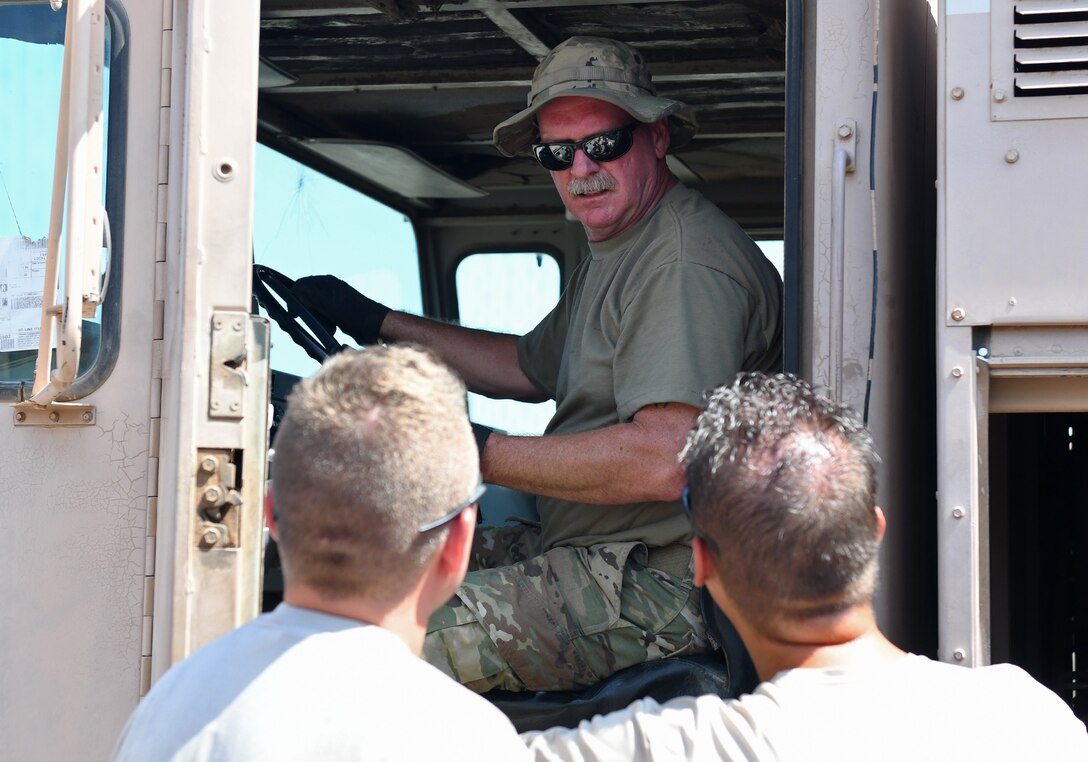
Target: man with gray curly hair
795,475
782,497
373,503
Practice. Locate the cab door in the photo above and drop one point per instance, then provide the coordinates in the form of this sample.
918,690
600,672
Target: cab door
129,502
214,355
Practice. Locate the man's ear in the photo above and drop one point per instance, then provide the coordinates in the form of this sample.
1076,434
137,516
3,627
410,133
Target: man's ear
453,558
881,524
270,517
660,136
704,564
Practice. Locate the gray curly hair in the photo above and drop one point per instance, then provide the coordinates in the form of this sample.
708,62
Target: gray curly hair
783,483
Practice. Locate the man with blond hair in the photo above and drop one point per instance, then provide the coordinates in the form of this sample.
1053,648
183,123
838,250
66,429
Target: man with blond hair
782,496
373,503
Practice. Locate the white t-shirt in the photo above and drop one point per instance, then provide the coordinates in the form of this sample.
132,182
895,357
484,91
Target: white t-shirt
297,684
907,709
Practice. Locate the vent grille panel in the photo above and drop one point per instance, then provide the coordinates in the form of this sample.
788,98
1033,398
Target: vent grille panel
1039,59
1048,41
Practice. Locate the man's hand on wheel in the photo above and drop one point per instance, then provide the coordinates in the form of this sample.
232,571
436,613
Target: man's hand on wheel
328,297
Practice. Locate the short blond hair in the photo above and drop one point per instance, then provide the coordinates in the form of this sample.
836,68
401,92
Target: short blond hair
373,445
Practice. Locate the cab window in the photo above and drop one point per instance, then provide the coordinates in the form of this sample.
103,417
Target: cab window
507,292
774,251
31,64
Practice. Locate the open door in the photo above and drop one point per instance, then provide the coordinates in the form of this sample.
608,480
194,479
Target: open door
88,554
213,430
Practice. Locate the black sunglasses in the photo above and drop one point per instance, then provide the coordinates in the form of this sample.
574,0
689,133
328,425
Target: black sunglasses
481,488
685,500
604,146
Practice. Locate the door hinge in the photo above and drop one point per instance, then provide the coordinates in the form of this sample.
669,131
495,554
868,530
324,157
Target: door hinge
53,414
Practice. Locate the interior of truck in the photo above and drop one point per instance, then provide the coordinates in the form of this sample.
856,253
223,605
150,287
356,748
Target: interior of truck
376,161
376,164
399,99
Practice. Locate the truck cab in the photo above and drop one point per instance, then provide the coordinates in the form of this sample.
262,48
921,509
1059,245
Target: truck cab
158,155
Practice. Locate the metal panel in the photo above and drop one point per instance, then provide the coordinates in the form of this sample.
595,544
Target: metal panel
1058,67
961,400
1010,265
1015,229
1039,369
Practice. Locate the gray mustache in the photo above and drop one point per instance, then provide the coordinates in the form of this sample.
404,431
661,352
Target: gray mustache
595,183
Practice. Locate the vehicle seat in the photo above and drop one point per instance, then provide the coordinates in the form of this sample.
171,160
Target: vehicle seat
501,505
728,672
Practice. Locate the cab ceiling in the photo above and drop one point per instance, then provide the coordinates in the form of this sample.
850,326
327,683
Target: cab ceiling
435,80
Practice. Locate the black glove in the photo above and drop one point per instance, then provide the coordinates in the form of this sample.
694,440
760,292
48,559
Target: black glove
332,299
481,433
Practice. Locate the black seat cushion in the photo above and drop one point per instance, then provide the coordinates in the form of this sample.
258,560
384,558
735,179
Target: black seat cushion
742,672
660,680
728,673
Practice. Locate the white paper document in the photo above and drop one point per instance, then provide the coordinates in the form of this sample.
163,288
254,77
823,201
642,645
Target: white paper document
22,273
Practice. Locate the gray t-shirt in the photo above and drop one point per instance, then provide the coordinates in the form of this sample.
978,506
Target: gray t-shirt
911,708
671,308
297,684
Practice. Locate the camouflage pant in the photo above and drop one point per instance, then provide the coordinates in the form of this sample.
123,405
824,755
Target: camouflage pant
564,619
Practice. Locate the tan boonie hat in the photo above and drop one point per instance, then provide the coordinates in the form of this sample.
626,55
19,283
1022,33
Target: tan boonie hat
595,67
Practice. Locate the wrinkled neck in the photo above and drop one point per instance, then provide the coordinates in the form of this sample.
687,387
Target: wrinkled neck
849,638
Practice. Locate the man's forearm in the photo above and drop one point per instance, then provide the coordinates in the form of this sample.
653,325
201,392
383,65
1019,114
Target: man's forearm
487,361
625,463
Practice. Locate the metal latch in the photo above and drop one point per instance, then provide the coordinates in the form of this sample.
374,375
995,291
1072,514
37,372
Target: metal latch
218,500
226,396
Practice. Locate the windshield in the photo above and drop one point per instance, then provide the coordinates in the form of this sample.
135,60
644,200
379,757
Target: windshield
307,224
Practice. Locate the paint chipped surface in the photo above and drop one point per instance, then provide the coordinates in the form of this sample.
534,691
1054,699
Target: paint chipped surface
73,507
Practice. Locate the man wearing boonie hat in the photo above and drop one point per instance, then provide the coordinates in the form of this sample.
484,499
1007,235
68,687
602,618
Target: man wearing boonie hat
673,300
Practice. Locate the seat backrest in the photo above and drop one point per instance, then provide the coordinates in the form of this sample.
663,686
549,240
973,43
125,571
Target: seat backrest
661,680
742,672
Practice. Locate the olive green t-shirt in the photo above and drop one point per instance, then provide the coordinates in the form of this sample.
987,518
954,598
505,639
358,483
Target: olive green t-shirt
664,312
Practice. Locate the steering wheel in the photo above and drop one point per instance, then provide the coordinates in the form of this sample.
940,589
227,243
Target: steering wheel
298,322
